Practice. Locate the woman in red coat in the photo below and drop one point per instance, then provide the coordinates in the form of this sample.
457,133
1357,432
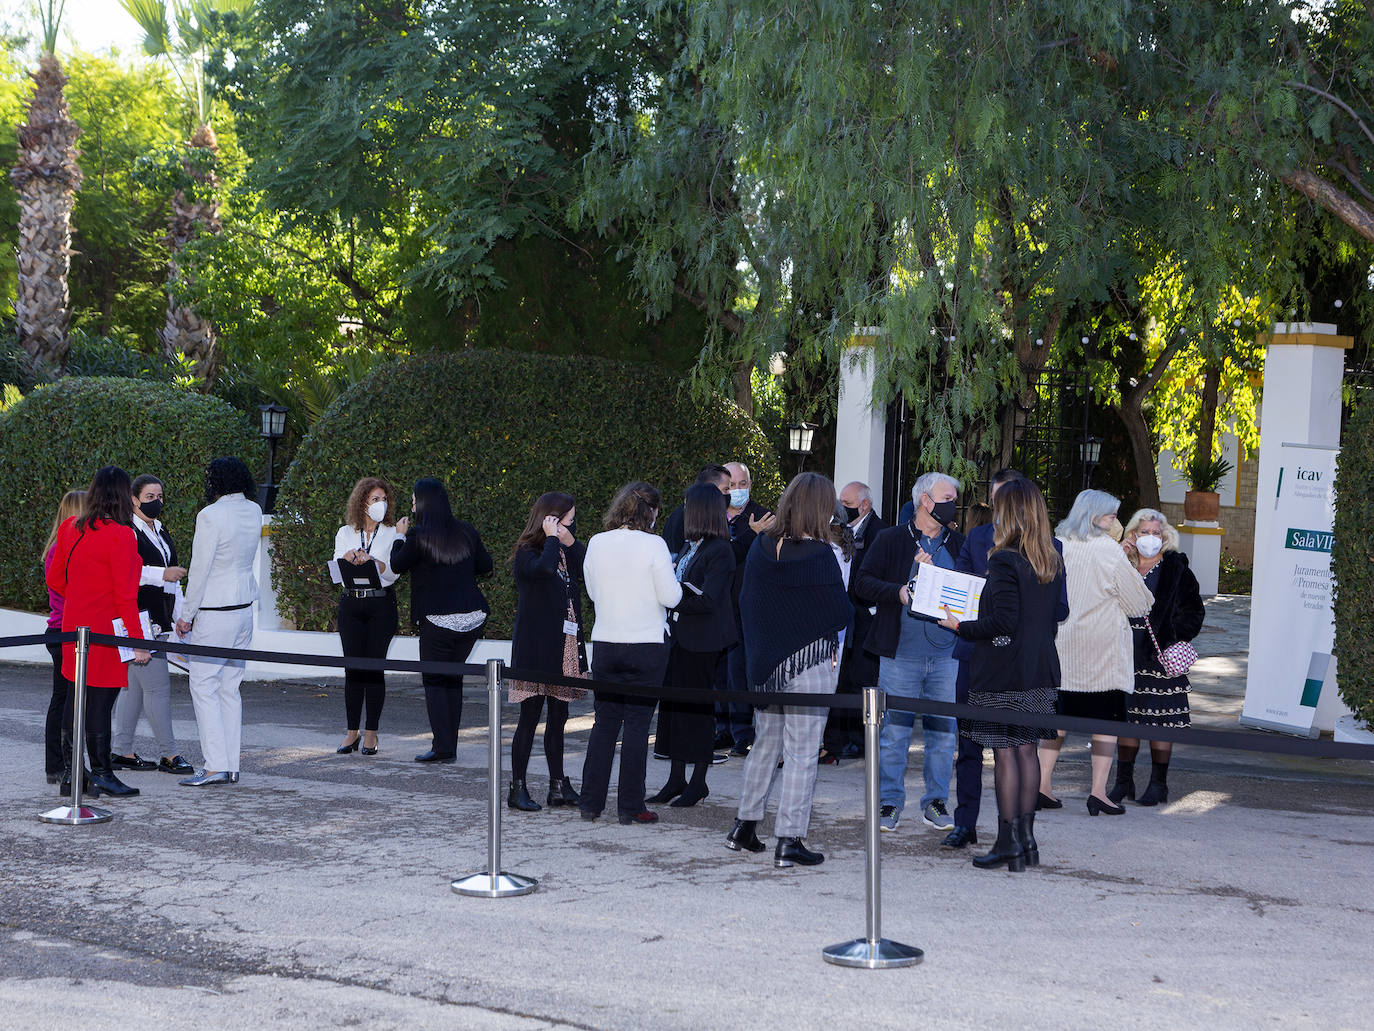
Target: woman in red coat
95,567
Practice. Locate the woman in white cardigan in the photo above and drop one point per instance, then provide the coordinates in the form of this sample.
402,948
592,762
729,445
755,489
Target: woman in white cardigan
1095,645
630,579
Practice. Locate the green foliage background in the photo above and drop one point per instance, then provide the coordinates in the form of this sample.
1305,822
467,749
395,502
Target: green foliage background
59,435
499,428
1352,564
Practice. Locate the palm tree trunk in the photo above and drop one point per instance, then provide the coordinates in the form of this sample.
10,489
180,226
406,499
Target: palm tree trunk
185,332
46,176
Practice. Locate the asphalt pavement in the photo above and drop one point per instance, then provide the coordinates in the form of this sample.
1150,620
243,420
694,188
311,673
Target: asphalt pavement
316,892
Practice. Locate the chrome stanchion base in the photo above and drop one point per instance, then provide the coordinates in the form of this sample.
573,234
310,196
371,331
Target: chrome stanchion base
494,886
872,955
74,816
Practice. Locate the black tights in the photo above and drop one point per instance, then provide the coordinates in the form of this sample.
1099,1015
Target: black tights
523,742
1016,780
677,774
1160,751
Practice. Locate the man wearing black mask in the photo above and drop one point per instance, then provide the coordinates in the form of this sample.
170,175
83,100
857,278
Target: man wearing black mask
916,657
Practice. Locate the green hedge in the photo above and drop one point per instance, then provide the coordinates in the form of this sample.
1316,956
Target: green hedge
499,428
1352,564
59,435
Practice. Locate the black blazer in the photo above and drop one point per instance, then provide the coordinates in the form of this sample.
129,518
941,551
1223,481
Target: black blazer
152,599
862,664
672,530
441,590
705,622
1178,612
879,581
973,558
541,605
741,540
1013,636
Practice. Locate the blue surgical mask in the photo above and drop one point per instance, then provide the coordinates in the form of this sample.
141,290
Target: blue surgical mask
739,497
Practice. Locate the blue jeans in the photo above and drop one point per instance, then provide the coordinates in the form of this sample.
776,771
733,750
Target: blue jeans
930,677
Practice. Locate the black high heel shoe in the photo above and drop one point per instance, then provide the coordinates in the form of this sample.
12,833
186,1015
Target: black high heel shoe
690,797
1096,805
667,793
369,751
350,747
1043,801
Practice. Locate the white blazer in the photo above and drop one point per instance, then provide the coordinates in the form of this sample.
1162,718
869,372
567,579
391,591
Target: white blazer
224,554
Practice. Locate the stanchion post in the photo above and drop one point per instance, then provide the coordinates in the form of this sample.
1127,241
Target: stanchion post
76,814
494,883
872,951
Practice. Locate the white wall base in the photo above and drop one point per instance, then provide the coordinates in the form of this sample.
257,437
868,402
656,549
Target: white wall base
1202,545
1351,731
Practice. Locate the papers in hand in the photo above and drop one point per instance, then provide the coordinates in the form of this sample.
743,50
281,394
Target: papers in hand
937,587
118,629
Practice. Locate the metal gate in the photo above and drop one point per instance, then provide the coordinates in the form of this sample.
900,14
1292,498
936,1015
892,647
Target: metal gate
1053,435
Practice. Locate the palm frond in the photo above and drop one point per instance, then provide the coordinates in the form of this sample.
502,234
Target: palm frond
151,17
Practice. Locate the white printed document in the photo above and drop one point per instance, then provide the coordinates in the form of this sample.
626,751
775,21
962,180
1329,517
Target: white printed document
118,629
937,587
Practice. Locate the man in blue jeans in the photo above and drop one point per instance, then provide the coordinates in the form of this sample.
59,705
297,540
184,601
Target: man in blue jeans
916,654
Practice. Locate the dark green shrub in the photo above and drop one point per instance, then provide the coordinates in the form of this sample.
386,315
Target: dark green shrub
499,428
1352,564
58,435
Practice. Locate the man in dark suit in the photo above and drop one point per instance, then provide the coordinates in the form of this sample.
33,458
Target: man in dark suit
968,761
858,669
717,476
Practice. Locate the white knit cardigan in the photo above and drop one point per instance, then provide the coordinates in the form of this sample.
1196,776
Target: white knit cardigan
1105,591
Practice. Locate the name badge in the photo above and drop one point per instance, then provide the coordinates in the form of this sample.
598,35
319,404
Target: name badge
570,627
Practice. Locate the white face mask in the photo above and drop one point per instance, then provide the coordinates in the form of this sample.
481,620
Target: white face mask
376,511
739,497
1149,545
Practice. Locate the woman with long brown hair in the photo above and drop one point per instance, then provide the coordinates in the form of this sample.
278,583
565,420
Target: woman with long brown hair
67,508
793,608
367,616
95,568
1014,664
548,638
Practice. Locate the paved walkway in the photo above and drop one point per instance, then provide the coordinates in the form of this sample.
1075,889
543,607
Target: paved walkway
316,893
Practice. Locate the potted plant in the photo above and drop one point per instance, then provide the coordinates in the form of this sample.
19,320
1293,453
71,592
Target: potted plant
1201,502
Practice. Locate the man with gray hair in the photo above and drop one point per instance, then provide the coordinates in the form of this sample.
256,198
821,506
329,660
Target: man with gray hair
916,654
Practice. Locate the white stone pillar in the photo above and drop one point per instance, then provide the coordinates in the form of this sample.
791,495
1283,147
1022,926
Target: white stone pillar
267,589
860,425
1202,545
1304,364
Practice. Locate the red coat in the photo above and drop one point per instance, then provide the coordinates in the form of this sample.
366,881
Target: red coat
96,572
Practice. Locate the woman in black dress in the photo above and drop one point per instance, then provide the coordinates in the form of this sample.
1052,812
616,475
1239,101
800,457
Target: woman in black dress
548,638
1158,700
1014,664
443,556
702,627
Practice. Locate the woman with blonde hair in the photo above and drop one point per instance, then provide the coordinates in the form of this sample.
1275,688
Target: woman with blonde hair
367,617
1095,651
1159,699
1014,664
68,508
793,608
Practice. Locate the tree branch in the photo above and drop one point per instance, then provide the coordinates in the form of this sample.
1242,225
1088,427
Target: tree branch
1333,99
1336,201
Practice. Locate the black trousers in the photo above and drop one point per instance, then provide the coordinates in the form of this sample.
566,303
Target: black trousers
444,691
100,703
366,627
845,726
617,713
52,726
968,765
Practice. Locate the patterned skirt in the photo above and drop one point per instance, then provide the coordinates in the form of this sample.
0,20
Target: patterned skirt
1159,700
518,690
1038,700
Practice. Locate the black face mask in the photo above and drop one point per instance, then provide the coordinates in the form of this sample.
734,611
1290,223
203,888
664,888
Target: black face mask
152,509
851,513
944,512
572,527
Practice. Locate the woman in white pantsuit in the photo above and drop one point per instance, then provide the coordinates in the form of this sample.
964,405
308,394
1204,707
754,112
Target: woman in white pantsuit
218,611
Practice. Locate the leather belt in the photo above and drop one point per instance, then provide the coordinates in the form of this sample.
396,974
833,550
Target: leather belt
365,592
226,608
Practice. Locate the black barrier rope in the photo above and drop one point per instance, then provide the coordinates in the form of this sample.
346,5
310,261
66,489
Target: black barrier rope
1229,739
27,639
1245,741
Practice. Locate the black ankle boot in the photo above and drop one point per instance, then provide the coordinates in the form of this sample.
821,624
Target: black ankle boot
1026,832
1008,850
561,793
102,769
793,852
1125,781
1157,792
519,798
743,836
64,787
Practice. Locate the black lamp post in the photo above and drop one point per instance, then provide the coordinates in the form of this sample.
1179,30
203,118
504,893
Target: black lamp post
272,425
799,438
1089,451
